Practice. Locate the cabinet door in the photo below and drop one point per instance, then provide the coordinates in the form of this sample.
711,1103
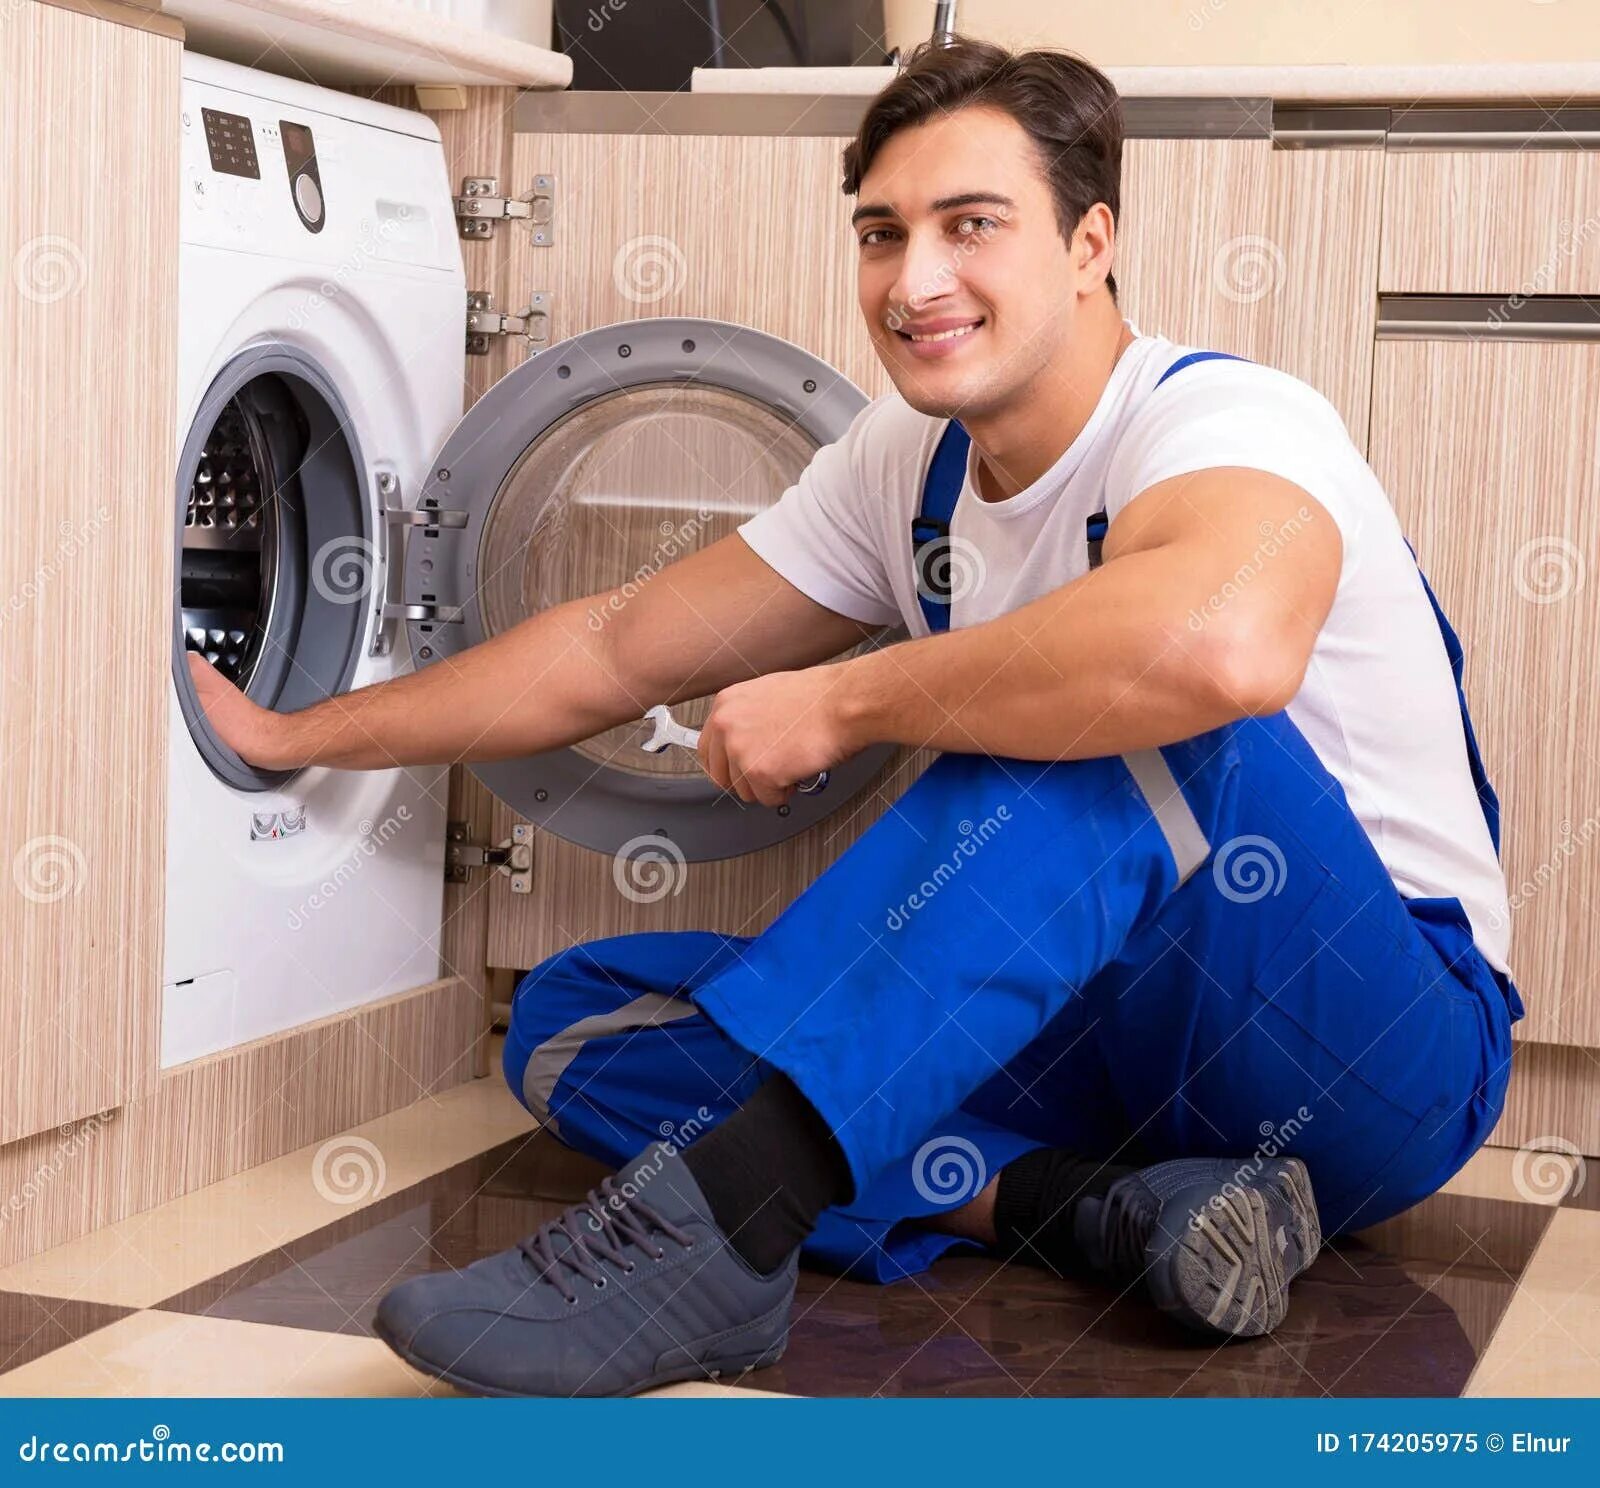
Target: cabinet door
88,240
1226,244
1489,454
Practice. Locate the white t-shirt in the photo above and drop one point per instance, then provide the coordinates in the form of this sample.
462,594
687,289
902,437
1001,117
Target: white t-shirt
1378,703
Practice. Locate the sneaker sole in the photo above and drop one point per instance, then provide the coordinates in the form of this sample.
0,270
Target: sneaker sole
1221,1272
736,1368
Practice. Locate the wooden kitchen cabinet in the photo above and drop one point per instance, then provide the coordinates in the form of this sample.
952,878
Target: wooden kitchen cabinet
1489,454
88,239
1502,222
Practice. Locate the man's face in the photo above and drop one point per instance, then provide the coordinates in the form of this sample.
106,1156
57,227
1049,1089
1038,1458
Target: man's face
967,286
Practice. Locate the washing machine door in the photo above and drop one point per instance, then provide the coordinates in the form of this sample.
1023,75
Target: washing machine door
592,466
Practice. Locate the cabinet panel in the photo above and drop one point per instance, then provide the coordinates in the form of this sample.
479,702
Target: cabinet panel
1498,222
1489,454
1226,244
88,230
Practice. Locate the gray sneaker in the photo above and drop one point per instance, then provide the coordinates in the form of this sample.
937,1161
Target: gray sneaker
633,1288
1215,1241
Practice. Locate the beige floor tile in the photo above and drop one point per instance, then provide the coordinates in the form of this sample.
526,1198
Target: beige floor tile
184,1355
179,1354
1518,1174
1548,1342
164,1250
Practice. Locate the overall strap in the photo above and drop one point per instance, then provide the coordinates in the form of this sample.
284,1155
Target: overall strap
1097,523
1487,798
930,528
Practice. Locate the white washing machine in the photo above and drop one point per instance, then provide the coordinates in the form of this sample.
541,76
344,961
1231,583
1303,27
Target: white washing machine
322,323
337,519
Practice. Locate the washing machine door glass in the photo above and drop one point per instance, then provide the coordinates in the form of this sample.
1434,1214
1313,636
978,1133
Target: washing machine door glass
622,487
595,465
273,534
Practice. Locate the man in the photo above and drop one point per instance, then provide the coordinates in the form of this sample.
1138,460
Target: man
1201,900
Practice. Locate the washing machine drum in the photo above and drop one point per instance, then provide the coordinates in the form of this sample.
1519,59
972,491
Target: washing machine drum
587,470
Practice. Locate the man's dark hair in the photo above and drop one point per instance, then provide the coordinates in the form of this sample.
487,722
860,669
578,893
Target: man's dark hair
1068,108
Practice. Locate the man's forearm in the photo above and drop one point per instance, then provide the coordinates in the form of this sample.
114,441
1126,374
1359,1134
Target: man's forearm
541,684
1091,669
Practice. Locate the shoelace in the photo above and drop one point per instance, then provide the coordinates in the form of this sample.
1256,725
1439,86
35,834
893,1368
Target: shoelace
1126,1224
597,1230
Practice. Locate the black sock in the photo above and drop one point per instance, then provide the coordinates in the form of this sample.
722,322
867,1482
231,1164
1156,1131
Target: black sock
1037,1199
769,1171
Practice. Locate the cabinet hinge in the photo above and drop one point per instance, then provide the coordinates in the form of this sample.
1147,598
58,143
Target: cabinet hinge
514,857
480,206
484,322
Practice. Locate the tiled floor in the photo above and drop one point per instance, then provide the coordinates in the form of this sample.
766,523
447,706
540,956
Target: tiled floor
265,1284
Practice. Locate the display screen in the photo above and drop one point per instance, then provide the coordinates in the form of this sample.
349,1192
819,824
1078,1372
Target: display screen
232,144
297,146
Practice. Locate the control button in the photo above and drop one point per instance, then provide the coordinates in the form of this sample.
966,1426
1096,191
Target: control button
309,198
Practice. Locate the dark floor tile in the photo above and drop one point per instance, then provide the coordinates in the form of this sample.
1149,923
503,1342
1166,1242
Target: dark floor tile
1404,1308
31,1326
333,1278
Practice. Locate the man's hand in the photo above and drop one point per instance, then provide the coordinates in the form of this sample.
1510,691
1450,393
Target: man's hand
256,733
764,735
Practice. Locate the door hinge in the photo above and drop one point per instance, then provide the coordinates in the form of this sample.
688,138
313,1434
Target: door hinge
484,322
480,206
513,857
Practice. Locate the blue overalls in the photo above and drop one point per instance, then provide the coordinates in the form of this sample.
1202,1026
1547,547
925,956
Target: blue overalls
1191,950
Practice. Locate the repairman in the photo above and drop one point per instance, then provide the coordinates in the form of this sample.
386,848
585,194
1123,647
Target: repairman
1192,941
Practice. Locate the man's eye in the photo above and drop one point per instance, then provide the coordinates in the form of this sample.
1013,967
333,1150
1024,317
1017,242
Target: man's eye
874,237
977,227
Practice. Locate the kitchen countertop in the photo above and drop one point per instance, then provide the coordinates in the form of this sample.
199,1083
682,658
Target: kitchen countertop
1508,83
363,41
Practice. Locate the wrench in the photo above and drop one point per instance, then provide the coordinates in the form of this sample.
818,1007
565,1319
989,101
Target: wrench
668,731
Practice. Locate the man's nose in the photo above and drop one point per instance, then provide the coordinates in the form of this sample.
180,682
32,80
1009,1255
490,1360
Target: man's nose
928,273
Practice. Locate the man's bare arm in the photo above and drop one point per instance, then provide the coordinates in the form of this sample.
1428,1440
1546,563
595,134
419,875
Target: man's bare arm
1212,593
714,617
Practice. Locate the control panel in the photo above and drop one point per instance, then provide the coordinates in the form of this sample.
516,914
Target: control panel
305,185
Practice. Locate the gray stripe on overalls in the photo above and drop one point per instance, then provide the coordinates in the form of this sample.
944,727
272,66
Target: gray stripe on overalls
548,1063
1154,777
